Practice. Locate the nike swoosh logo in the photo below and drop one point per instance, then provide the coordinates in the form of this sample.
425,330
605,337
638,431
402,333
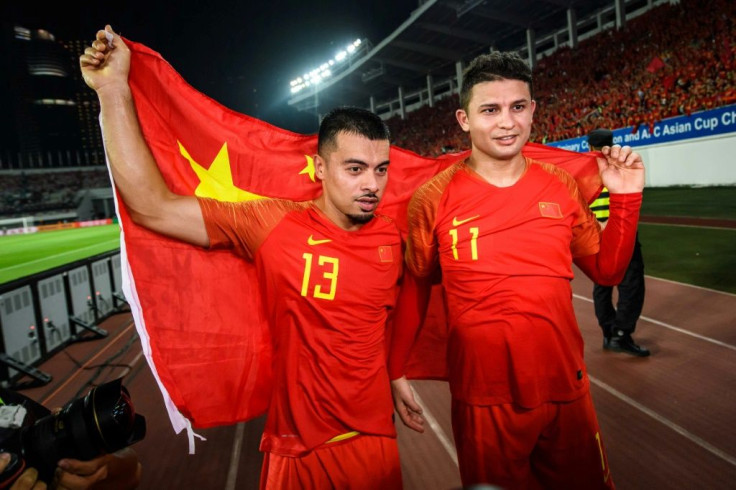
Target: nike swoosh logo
312,241
458,222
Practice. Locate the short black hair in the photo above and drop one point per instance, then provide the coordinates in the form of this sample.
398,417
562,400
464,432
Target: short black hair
598,138
492,67
354,120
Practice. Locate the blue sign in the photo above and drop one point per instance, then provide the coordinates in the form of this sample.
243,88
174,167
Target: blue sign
698,125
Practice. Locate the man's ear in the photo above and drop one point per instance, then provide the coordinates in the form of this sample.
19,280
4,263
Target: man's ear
462,118
320,167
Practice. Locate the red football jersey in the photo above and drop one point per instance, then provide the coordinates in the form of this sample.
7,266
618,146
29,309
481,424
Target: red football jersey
328,295
506,257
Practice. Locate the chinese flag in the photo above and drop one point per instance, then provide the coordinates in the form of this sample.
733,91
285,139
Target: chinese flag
198,312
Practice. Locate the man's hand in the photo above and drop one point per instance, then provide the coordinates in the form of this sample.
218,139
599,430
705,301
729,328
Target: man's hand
73,474
120,471
28,480
621,169
408,409
106,61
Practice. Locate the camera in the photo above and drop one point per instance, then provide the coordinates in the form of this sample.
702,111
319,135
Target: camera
101,422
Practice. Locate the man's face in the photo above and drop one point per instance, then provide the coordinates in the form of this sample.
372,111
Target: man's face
498,118
354,175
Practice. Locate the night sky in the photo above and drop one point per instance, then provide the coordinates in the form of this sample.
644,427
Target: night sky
241,53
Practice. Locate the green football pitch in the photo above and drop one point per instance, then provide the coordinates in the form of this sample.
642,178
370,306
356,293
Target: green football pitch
695,255
24,255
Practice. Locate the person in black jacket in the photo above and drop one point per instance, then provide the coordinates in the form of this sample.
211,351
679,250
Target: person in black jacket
618,323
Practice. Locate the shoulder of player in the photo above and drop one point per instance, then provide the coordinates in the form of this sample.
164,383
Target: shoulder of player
553,170
274,204
435,187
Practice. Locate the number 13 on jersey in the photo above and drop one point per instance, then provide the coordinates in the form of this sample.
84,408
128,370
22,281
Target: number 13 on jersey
329,266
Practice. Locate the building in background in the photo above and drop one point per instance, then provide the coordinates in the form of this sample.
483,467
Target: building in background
49,117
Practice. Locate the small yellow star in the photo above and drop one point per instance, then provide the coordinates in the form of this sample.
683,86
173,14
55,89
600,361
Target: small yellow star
217,181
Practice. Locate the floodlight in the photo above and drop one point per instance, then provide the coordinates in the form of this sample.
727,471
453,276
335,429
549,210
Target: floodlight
318,75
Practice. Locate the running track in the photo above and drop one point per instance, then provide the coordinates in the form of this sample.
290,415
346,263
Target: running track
668,421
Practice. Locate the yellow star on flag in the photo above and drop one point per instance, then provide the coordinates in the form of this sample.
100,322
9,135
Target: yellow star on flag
217,181
309,169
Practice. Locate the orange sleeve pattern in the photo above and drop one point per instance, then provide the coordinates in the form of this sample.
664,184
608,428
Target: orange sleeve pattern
421,246
244,226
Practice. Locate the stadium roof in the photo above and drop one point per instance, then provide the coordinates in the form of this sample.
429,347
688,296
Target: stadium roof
441,33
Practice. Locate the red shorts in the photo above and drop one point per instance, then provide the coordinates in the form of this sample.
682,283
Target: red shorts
553,446
359,463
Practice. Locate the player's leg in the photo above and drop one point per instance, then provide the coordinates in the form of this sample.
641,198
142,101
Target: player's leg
494,444
570,454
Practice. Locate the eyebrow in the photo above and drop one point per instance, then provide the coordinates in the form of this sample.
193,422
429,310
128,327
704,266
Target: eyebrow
361,162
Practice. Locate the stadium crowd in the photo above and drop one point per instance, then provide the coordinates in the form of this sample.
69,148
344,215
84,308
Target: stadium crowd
26,193
674,60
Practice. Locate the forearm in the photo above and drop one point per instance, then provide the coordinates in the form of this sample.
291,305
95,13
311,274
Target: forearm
608,266
411,308
132,165
137,177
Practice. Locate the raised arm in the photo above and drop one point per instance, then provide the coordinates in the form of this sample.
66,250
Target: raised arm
105,66
622,172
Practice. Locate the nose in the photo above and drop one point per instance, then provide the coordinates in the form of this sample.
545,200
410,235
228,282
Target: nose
370,182
506,121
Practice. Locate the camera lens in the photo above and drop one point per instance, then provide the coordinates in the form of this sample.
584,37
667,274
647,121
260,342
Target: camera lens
102,422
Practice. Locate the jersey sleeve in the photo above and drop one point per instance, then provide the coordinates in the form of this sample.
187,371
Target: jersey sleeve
586,231
242,226
608,266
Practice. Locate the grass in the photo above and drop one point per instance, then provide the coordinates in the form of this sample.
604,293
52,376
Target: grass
700,256
704,257
24,255
701,202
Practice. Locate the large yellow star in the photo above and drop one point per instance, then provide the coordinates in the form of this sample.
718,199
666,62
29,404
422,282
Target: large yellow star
217,181
309,169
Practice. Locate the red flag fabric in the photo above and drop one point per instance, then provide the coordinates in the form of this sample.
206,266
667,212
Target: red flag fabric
198,312
655,64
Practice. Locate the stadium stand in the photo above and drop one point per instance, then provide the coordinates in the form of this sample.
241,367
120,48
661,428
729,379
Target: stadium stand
35,192
676,59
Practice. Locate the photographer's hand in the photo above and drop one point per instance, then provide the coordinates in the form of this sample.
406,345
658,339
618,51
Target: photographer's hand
28,480
118,471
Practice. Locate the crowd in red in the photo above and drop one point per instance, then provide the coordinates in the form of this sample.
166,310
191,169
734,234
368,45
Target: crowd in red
674,60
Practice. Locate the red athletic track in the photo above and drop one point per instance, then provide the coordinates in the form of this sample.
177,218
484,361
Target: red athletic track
668,421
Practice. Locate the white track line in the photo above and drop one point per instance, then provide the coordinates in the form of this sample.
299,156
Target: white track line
435,426
683,225
50,257
680,430
672,327
232,473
